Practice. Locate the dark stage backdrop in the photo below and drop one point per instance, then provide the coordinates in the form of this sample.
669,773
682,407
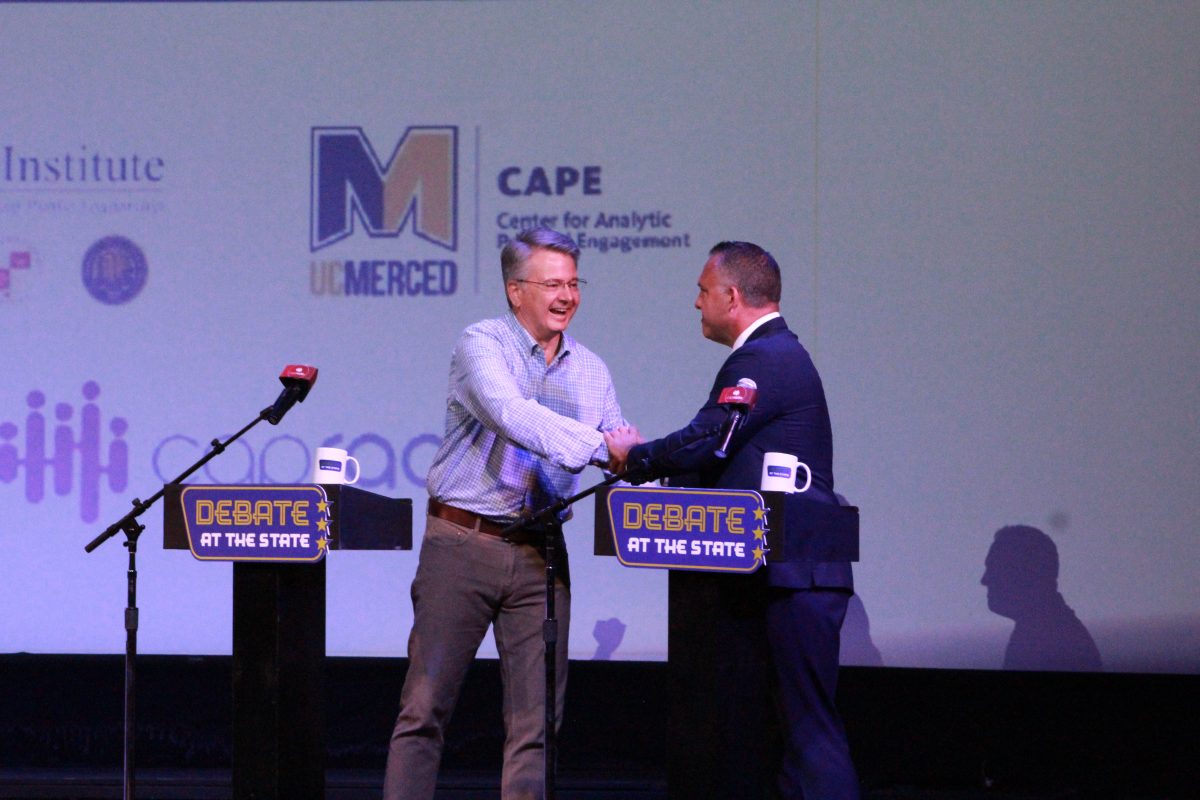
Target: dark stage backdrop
986,213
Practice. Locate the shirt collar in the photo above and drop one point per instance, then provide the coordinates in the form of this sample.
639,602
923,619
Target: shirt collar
526,338
753,326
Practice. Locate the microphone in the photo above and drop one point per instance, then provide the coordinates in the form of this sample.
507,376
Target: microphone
740,400
297,380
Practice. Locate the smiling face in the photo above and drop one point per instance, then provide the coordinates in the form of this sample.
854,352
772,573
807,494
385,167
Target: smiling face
542,312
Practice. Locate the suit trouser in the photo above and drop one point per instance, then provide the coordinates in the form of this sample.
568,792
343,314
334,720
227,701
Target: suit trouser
803,628
753,700
466,581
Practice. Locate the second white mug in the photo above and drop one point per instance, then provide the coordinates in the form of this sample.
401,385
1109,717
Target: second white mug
780,471
331,465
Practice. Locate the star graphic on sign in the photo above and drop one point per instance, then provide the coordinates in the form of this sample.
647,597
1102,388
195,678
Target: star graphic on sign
760,533
759,513
758,553
322,507
322,544
322,524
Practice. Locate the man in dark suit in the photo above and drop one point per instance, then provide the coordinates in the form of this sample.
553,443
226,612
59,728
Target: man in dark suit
767,642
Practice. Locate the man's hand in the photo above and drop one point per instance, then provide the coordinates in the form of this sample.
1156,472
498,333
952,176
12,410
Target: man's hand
619,442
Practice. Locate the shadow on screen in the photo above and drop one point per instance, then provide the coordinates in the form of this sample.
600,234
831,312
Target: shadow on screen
1021,576
857,648
608,634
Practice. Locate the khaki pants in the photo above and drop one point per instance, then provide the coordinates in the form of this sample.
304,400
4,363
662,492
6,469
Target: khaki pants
466,581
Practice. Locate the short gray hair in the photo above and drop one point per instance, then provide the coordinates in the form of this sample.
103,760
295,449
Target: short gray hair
518,249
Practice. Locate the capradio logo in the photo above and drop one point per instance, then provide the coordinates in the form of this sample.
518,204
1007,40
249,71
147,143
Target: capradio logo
46,451
416,189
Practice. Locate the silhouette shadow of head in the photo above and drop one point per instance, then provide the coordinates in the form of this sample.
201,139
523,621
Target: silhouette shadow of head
1021,576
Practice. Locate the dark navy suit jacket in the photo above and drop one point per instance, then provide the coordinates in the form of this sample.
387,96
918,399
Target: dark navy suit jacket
790,416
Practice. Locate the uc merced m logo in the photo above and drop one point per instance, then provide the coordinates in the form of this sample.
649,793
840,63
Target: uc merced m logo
416,187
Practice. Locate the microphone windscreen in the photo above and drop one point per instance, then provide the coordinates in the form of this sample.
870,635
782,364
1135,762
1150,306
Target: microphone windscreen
299,375
740,395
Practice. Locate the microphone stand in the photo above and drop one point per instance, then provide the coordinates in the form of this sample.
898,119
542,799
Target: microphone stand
133,529
550,522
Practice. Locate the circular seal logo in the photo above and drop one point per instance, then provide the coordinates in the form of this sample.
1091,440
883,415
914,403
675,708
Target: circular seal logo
114,270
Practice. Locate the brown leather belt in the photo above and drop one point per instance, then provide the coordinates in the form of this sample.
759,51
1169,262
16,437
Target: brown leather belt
469,519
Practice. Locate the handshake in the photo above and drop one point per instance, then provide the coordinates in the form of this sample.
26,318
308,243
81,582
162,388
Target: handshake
619,442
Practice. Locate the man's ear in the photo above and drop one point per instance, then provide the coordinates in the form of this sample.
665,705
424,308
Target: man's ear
735,298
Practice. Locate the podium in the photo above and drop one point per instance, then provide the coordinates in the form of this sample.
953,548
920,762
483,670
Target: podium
798,529
721,725
279,644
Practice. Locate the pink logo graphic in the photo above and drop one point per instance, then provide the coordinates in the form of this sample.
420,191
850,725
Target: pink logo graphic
16,257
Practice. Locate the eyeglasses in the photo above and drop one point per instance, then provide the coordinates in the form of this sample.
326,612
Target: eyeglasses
554,287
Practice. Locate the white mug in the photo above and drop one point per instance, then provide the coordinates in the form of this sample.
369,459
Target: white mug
780,471
330,466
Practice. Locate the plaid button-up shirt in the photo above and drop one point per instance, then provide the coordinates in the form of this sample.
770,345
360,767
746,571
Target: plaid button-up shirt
518,430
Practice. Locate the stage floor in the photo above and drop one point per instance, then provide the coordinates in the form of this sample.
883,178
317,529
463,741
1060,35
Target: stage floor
937,734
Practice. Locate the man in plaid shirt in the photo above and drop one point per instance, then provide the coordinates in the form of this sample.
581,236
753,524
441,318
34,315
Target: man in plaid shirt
527,410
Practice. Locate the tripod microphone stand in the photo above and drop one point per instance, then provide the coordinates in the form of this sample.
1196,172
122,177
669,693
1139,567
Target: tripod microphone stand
549,521
132,528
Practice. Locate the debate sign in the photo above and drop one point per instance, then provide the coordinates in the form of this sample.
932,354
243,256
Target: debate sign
257,523
712,530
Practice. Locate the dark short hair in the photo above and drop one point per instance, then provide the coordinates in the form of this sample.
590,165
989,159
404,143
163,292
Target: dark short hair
752,270
518,249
